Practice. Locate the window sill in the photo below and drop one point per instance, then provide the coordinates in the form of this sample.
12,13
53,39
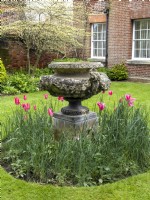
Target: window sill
138,62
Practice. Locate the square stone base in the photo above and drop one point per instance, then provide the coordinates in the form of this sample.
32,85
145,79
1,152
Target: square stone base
74,125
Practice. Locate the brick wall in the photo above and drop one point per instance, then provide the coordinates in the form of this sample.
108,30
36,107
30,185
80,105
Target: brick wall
13,54
139,70
121,16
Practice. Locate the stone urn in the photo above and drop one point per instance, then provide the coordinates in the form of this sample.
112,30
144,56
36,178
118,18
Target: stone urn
75,81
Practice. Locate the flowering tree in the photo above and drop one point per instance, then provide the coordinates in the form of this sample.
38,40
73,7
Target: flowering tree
46,27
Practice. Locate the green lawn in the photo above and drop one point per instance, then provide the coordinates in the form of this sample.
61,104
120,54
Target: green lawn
133,188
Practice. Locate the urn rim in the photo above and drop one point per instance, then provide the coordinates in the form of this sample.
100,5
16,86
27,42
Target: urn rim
75,65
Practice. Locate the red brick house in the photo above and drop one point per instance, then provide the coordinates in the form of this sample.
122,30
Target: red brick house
120,32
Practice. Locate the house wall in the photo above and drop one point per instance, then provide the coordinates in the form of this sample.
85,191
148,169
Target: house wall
121,16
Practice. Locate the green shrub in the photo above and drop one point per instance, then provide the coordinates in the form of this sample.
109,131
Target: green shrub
118,148
20,83
3,74
118,72
10,90
45,71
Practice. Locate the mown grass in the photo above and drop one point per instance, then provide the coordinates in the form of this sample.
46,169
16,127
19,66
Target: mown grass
133,188
140,91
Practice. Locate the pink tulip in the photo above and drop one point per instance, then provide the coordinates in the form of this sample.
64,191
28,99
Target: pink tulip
50,112
46,96
26,106
60,98
110,92
101,105
25,97
17,100
127,97
34,107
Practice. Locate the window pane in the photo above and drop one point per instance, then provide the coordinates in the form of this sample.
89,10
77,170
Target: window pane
104,44
143,54
100,52
143,44
94,45
136,53
99,44
148,34
104,27
143,34
104,52
148,24
148,44
137,25
100,36
104,35
94,52
144,24
99,27
95,27
94,36
148,53
137,34
137,44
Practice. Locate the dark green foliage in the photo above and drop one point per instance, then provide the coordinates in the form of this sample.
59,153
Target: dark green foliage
45,71
20,83
119,148
118,72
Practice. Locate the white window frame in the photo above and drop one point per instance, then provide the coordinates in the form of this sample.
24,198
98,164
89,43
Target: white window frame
133,40
92,41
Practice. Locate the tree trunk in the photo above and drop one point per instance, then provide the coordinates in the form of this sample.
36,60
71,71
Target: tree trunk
28,61
36,62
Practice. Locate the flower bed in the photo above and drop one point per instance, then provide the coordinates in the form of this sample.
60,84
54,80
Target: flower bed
117,149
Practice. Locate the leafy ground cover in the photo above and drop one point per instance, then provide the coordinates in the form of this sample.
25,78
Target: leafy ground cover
115,95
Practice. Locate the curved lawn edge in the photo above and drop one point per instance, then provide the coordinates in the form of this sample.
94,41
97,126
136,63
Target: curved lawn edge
133,188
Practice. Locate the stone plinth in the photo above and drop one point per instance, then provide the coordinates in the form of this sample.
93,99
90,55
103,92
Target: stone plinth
74,125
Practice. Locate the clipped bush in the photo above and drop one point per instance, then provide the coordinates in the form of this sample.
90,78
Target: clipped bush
3,73
118,72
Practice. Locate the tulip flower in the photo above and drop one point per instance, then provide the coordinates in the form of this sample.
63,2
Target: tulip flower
26,106
46,96
25,97
17,100
129,99
110,92
60,98
50,112
101,105
34,107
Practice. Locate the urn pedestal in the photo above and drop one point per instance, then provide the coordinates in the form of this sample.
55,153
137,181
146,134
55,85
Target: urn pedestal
75,82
